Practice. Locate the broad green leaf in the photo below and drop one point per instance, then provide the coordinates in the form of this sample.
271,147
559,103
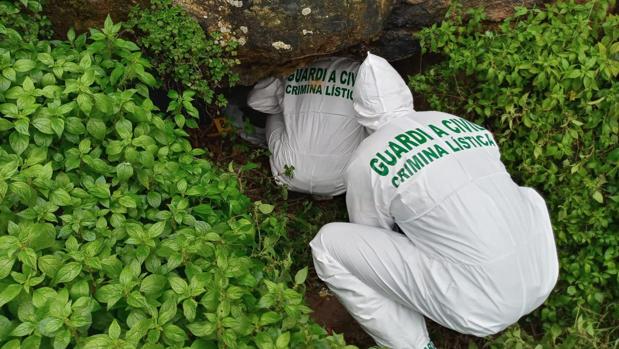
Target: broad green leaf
597,196
28,257
84,101
61,197
229,338
36,156
202,329
85,146
9,109
174,333
265,208
21,125
62,339
5,124
167,311
139,330
156,229
264,341
57,126
68,272
45,58
86,61
124,128
9,292
43,124
109,294
153,198
24,65
23,329
153,284
98,342
6,265
19,142
104,103
189,309
124,171
178,285
127,201
283,340
75,126
300,276
50,264
269,317
114,330
8,242
12,344
9,73
96,128
80,289
49,325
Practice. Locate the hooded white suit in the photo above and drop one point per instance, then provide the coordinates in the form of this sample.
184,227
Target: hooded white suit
313,128
477,251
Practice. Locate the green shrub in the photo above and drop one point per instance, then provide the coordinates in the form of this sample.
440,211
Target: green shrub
545,82
181,51
25,17
586,331
113,233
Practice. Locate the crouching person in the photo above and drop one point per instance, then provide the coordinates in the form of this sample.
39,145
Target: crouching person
312,131
476,251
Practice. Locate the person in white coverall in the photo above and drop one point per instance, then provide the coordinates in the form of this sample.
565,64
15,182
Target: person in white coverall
477,251
312,131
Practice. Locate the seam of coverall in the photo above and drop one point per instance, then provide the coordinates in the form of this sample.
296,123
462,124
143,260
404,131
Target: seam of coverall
323,112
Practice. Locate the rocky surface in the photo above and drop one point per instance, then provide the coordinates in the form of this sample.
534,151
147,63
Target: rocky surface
85,14
278,35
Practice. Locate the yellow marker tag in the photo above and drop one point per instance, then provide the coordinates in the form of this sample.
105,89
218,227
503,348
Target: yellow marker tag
222,125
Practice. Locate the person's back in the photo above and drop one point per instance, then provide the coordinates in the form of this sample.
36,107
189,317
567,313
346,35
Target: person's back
446,188
440,179
317,134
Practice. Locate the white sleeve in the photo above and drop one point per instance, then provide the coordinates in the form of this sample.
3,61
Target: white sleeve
362,202
267,96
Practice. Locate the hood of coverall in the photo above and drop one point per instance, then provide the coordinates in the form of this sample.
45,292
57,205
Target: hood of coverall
380,93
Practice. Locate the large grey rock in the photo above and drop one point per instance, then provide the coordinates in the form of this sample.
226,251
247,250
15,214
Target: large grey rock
409,16
278,35
274,32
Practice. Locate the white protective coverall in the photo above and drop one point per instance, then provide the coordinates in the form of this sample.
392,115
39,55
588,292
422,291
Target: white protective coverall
477,251
313,127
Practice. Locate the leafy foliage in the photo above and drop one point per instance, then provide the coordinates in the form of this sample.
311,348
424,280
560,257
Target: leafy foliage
113,233
587,331
181,50
25,17
545,81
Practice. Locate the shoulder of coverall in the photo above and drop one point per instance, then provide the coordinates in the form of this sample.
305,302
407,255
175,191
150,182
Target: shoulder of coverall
334,63
266,95
380,93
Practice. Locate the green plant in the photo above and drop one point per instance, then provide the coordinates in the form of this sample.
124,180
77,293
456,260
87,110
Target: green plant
113,232
25,17
182,52
586,331
545,81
